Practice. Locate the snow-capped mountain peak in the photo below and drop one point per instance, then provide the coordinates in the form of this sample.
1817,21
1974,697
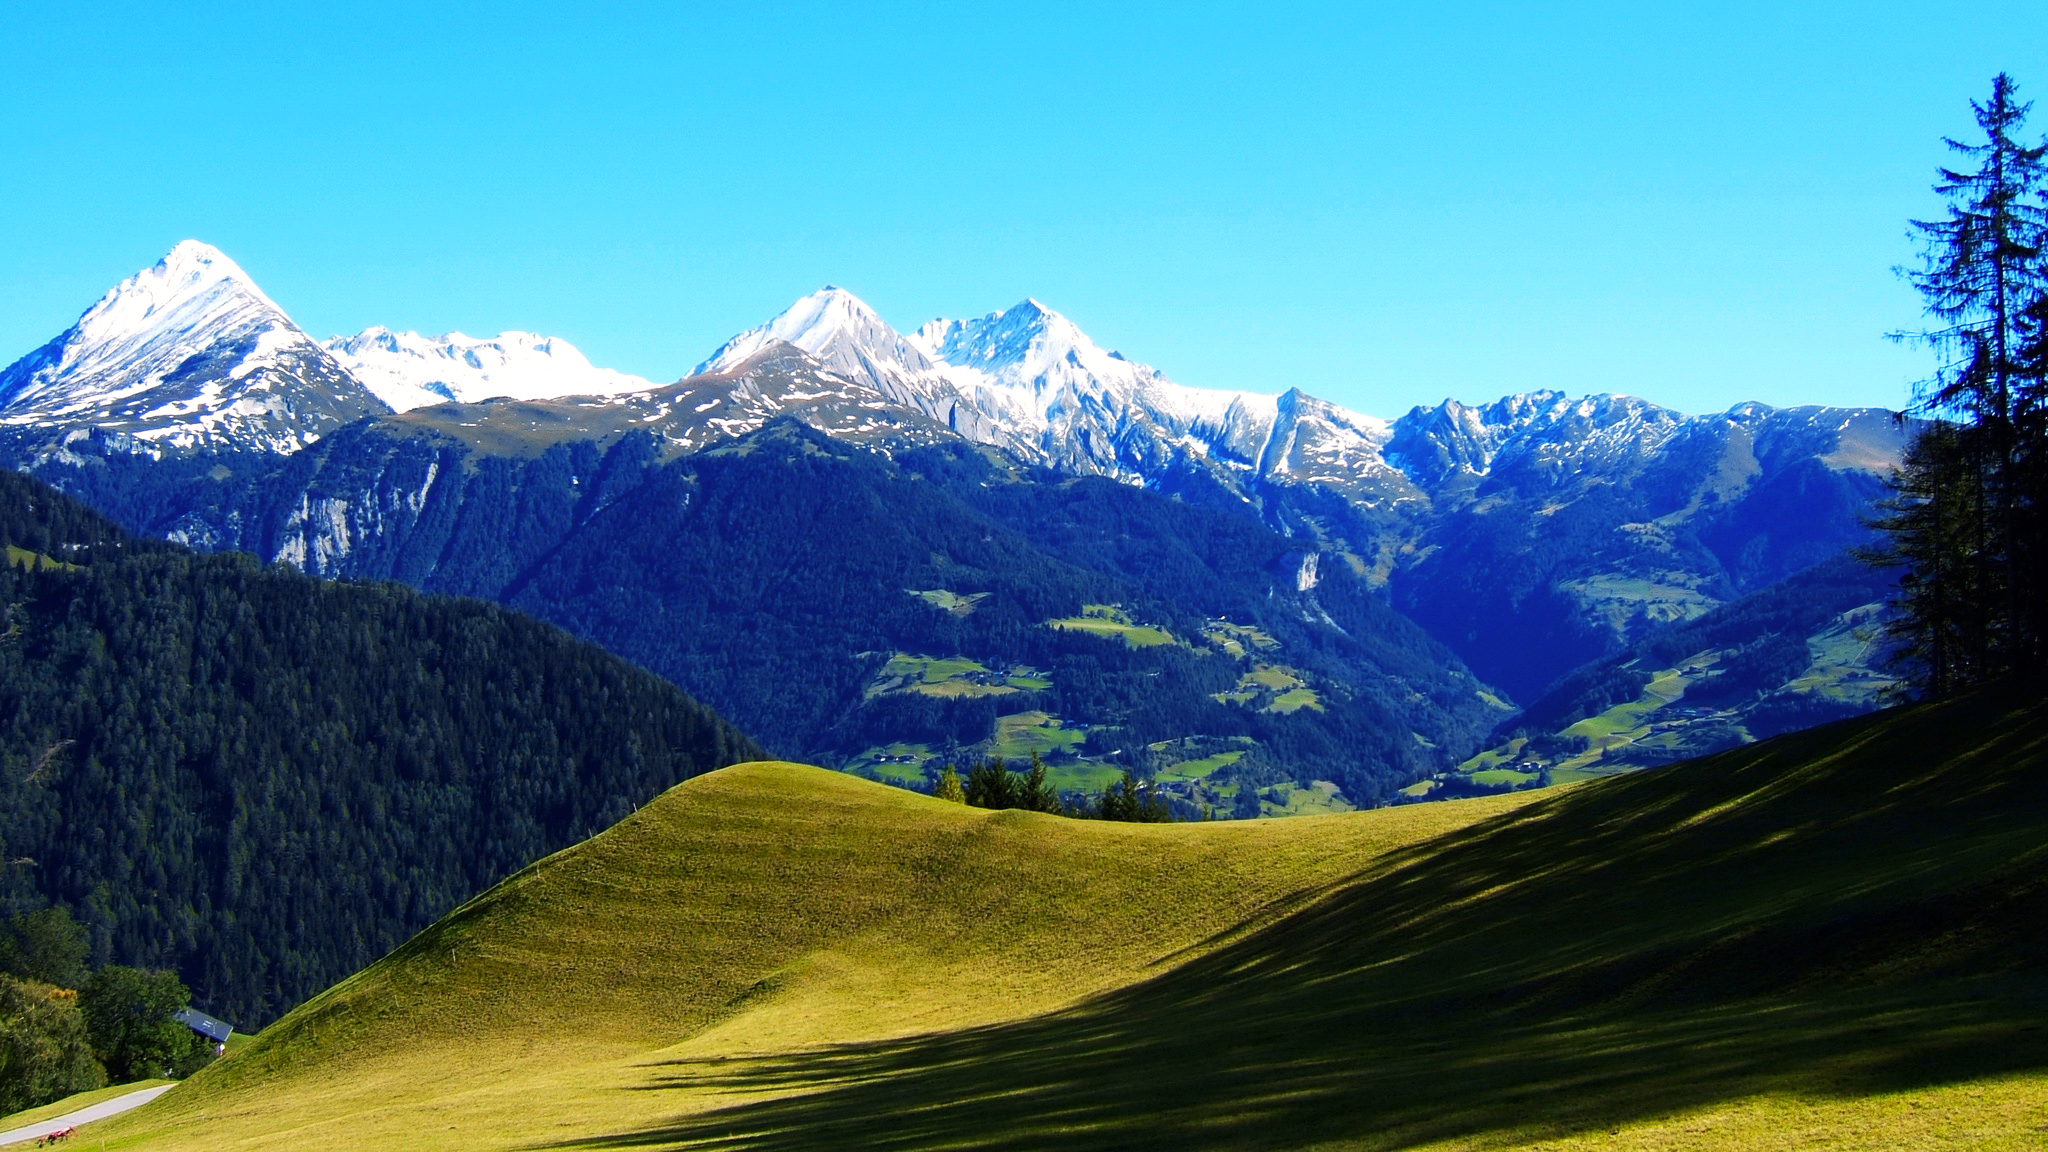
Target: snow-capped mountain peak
1026,342
144,326
837,329
186,353
407,370
1029,350
1028,379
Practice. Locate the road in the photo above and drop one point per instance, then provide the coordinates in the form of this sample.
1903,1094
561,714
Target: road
99,1111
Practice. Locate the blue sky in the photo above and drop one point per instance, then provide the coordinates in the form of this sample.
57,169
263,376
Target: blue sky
1381,204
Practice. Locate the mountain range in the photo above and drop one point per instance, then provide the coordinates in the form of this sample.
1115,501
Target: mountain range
1528,536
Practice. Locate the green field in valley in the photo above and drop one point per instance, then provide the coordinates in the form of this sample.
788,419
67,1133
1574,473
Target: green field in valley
953,602
1110,621
901,764
951,676
1319,798
1238,640
1831,939
1199,769
1843,674
36,561
1271,688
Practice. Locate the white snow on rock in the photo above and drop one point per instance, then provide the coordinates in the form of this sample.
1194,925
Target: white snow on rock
191,354
407,370
1028,379
1049,365
146,327
185,354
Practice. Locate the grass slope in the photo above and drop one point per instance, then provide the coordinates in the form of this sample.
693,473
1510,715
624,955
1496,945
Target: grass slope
1831,937
755,911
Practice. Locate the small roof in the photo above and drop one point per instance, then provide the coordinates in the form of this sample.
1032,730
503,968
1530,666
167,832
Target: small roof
200,1022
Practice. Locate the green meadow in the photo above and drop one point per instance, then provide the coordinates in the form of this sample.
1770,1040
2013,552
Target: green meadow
948,601
1830,939
1201,768
1109,621
951,676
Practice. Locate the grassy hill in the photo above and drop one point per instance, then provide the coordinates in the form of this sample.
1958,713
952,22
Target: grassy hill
1831,937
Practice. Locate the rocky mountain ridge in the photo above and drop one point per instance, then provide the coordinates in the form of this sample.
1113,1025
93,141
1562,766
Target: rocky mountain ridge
191,354
1529,534
185,356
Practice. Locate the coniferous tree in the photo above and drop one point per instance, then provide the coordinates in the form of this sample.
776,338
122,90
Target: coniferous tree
1034,792
948,787
214,765
1246,806
1931,521
1132,801
2030,435
46,945
1965,513
991,786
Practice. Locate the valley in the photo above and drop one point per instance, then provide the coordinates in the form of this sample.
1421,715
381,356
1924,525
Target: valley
557,593
1275,623
1404,586
1809,649
1065,748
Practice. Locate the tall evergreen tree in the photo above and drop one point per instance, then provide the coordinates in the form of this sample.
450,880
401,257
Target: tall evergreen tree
1932,520
1981,265
990,785
1035,792
1964,512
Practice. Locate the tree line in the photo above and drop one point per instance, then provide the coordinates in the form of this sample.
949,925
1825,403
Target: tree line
1966,512
991,783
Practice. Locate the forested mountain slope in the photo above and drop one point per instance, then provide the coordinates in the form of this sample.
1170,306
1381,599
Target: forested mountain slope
266,781
780,606
1806,650
1562,531
883,614
1830,937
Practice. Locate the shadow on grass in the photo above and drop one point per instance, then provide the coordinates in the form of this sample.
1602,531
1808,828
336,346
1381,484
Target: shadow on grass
1845,911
